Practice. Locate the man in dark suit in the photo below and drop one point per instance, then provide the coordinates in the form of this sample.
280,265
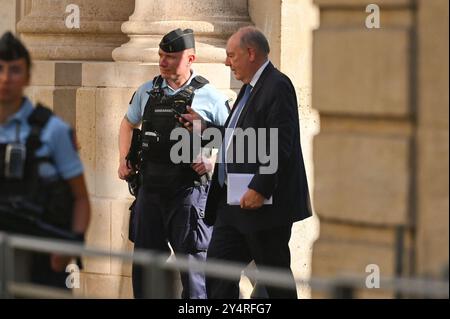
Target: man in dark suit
252,230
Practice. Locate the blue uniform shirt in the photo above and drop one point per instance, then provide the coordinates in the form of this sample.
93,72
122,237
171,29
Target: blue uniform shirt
208,102
57,143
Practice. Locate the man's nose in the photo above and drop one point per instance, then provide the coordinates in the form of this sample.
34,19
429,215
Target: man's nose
5,75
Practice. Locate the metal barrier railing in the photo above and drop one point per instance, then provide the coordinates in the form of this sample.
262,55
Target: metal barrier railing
159,274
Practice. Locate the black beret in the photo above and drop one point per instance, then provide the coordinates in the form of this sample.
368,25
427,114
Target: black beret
11,48
177,40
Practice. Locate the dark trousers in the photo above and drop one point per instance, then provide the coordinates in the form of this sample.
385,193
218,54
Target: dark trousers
266,248
177,219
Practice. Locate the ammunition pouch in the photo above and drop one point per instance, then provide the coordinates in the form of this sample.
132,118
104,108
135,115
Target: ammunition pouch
159,119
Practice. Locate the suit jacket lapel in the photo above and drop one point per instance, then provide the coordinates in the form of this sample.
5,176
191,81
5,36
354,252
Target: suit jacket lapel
255,90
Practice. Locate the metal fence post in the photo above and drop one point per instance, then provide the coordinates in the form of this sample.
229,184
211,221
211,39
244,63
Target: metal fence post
3,284
6,266
342,290
399,255
160,277
159,283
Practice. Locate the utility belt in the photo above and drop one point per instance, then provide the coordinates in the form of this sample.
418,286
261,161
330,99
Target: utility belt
163,177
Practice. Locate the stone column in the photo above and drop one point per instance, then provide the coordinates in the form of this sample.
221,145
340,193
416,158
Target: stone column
432,242
364,87
10,13
213,22
45,32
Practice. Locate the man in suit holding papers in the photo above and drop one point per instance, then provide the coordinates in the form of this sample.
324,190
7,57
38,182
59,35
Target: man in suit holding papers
275,194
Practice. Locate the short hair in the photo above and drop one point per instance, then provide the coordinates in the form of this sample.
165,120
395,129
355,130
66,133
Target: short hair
12,49
193,50
252,37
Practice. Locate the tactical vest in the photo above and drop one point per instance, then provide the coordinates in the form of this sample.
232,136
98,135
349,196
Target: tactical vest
159,172
32,205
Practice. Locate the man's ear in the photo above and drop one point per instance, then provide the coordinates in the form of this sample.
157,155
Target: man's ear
251,54
192,58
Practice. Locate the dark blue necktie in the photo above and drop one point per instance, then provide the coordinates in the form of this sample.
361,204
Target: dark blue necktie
222,174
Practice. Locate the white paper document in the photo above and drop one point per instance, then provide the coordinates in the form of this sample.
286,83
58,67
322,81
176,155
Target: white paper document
237,186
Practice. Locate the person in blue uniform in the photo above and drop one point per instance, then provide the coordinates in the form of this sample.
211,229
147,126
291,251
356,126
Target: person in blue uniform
170,203
39,166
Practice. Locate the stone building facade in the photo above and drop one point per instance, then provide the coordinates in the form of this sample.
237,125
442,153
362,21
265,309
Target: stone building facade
381,158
